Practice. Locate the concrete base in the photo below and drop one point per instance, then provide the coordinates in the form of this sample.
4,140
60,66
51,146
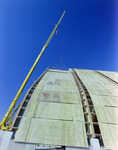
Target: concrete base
7,144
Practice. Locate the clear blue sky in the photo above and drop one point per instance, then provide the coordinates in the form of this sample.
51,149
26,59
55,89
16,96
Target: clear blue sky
87,38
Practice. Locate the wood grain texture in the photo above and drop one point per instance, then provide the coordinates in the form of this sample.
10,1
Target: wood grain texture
96,84
66,133
107,136
52,132
79,135
72,134
23,130
101,115
70,98
37,130
112,75
36,92
30,109
105,100
47,110
114,134
112,114
77,113
66,112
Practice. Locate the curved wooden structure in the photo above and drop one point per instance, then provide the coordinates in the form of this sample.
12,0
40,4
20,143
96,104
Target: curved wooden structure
76,108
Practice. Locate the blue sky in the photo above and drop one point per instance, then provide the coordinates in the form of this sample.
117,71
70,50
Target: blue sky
87,39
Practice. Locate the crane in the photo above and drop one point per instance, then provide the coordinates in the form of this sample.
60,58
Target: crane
3,125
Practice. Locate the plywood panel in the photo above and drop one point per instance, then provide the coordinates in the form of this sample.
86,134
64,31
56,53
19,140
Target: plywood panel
107,114
45,96
70,98
66,89
105,100
42,110
36,92
101,115
66,112
112,75
77,113
114,132
54,112
23,129
56,97
72,134
52,88
66,83
48,110
79,135
112,114
52,132
30,109
114,101
95,99
96,84
36,132
107,136
50,96
91,90
58,71
66,133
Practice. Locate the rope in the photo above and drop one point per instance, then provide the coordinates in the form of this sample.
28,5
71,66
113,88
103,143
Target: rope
62,63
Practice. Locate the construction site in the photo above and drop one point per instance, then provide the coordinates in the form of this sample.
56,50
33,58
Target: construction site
64,109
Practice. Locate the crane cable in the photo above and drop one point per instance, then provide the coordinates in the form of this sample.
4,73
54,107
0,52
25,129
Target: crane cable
62,50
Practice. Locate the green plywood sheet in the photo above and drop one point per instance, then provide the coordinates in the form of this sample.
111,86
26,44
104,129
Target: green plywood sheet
52,132
107,136
77,113
105,100
56,97
112,114
55,70
36,132
47,110
50,96
54,112
42,110
30,109
67,83
114,134
66,112
96,84
45,96
69,89
107,114
72,134
101,115
36,92
70,98
52,88
95,99
23,130
114,101
66,133
112,75
79,135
